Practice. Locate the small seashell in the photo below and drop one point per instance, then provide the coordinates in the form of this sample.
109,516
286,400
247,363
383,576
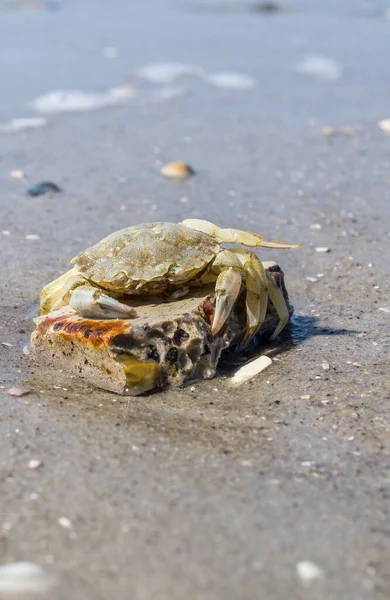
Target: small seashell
44,187
34,463
17,174
384,125
177,169
65,523
18,391
308,572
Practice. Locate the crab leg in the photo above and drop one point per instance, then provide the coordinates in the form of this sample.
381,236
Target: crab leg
280,305
236,236
227,287
52,294
256,293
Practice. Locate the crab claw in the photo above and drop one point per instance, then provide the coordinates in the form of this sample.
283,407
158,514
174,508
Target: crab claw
227,288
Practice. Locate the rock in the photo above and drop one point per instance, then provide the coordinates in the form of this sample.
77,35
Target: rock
167,343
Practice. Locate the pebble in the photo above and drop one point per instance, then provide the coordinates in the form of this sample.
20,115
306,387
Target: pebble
177,169
6,232
306,397
32,236
34,463
315,226
322,249
65,523
326,366
312,279
23,577
308,572
384,125
251,369
18,391
44,187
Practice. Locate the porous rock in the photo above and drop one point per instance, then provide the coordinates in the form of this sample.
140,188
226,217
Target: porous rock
167,343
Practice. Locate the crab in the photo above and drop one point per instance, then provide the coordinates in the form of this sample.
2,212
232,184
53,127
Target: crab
168,258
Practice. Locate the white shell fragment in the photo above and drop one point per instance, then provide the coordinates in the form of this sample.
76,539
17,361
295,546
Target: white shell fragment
308,572
17,174
18,391
34,464
322,249
65,523
32,237
384,125
22,577
251,369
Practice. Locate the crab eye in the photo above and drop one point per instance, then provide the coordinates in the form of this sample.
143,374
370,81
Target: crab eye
120,277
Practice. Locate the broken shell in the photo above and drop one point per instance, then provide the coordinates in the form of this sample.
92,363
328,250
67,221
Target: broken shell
251,369
18,391
177,169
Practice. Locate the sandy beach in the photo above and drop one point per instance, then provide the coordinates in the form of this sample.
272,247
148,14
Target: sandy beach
278,489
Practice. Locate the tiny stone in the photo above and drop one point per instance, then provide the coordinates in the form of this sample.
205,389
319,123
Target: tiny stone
33,464
306,397
316,226
192,388
65,522
177,169
356,364
322,249
307,463
326,366
351,438
6,232
32,236
308,572
312,279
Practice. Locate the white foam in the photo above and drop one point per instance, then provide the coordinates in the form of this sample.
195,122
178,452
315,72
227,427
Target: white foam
320,67
16,125
169,92
165,73
231,81
78,101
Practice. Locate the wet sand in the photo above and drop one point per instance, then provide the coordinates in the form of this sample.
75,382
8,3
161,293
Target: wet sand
211,493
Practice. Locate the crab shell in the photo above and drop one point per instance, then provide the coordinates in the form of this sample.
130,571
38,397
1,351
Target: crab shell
147,258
